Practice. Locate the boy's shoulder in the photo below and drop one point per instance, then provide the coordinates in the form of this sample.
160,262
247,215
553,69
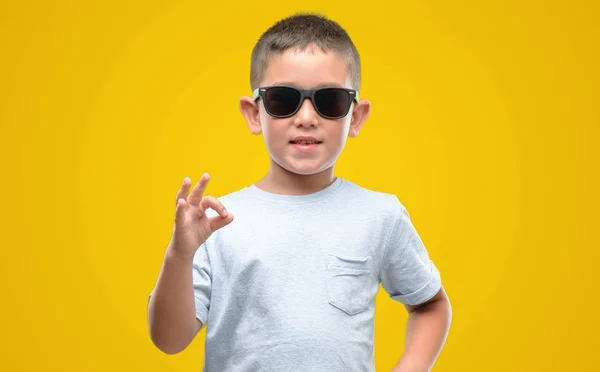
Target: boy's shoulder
381,200
365,192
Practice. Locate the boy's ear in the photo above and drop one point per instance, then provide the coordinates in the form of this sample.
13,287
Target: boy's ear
249,109
359,115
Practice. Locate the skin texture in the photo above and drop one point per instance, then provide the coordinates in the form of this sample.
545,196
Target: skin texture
292,172
426,333
172,318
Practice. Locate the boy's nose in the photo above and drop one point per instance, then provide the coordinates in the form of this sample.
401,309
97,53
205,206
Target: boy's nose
306,115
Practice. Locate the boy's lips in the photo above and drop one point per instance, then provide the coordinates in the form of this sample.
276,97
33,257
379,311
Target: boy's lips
305,140
305,143
305,147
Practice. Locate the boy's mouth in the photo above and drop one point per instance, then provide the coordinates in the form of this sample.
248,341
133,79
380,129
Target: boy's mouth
305,142
305,145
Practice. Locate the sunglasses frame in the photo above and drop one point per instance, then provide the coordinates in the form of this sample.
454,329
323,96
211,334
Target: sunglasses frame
261,92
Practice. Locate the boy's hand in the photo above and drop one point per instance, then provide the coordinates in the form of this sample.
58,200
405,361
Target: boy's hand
192,227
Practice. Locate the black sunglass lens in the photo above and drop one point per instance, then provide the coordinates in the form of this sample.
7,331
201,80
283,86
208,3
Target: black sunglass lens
281,101
333,102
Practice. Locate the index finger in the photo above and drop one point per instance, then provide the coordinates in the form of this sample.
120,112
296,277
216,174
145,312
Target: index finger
183,190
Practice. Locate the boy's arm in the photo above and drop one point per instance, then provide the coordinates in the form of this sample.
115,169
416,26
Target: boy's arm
171,310
426,332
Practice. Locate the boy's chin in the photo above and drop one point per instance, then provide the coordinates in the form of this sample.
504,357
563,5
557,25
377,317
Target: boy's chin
305,170
302,167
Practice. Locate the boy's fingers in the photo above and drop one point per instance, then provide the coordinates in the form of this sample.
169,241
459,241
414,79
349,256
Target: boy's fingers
183,190
218,222
196,194
224,217
214,204
179,210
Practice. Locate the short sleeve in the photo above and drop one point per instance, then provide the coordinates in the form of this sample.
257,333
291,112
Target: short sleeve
202,282
407,273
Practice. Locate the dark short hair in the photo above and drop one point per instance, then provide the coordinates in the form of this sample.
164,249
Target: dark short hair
298,32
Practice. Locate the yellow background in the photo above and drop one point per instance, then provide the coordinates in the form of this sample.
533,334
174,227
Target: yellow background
485,123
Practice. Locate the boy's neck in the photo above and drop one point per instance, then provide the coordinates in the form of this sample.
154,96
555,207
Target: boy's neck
282,181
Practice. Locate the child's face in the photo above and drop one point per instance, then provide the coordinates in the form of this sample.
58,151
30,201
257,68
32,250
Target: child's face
308,69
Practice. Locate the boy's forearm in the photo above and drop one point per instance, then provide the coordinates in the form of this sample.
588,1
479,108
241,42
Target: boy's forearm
426,332
171,309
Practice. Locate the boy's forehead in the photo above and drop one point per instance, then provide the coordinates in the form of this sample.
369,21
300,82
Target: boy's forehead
310,68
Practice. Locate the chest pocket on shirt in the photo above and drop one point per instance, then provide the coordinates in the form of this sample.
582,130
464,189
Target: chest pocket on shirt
347,283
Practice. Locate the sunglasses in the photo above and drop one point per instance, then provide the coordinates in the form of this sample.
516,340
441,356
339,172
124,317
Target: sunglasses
283,101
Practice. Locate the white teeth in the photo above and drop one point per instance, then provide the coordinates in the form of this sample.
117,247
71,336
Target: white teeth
306,142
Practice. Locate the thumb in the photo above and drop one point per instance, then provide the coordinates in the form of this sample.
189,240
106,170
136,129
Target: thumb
218,222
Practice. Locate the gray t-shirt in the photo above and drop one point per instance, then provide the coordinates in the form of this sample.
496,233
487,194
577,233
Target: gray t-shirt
290,284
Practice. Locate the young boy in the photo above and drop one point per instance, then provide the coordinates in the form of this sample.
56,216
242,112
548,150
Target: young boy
289,284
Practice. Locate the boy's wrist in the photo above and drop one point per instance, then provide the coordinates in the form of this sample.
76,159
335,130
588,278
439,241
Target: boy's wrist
174,254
